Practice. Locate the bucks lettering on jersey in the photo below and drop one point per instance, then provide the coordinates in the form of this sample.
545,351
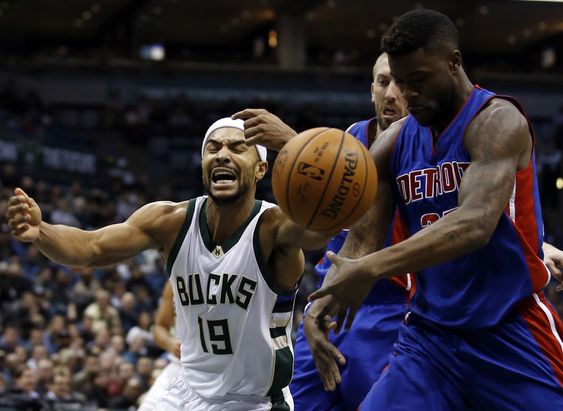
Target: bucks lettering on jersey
233,323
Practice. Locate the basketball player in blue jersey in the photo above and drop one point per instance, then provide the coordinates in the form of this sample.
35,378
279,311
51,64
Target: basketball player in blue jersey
460,168
233,261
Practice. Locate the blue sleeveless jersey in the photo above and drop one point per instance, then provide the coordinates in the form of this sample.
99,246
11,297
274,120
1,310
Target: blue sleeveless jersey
477,289
383,291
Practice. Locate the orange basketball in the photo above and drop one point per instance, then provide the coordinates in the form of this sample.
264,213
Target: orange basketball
324,179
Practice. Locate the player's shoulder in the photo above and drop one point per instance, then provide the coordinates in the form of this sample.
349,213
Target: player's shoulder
161,214
501,113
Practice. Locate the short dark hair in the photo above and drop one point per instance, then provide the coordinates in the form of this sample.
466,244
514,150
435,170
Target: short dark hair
421,28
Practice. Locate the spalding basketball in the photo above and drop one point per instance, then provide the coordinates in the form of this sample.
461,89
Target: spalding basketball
324,179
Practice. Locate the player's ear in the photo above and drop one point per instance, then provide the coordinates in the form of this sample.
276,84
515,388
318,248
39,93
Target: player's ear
455,61
260,170
372,91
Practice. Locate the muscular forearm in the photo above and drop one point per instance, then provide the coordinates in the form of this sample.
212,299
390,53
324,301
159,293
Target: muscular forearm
66,245
455,235
163,338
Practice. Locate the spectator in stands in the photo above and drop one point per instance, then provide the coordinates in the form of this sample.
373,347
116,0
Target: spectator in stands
61,395
103,314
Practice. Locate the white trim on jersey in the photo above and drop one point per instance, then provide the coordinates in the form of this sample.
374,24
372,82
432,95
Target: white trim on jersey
550,319
512,203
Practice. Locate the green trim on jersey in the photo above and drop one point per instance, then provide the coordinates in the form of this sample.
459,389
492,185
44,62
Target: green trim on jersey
283,371
279,403
277,332
231,241
180,237
268,277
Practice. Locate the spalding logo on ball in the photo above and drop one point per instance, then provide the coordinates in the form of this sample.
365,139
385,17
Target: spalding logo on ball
324,179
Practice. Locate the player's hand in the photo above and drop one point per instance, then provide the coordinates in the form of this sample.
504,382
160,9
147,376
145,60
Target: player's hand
553,259
264,128
325,354
175,349
24,217
345,294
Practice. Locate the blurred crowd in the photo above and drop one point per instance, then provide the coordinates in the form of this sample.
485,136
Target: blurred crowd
81,338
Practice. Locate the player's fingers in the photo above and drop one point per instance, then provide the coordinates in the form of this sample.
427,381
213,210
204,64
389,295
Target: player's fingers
247,113
17,220
322,362
19,230
14,200
321,292
19,192
334,259
251,132
333,352
15,209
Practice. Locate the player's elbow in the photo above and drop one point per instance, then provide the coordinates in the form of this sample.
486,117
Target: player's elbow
478,232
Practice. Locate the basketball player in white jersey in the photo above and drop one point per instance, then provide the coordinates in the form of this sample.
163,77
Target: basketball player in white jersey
163,337
234,263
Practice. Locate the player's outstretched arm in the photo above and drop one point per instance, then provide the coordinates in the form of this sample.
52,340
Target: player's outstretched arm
499,143
165,318
553,258
264,128
78,248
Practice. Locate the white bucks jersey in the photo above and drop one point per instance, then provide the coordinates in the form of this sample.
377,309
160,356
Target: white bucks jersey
233,323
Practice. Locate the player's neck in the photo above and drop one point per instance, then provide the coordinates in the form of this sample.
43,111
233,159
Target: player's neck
223,220
456,101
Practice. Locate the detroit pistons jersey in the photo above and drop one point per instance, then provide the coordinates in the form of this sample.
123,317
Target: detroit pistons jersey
478,289
394,288
233,323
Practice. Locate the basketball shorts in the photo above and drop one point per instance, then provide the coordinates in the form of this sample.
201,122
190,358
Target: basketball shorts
516,365
172,370
180,396
366,347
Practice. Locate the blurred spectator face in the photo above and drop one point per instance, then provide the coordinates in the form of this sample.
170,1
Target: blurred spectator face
102,298
26,381
126,371
39,352
12,362
118,343
87,322
36,337
102,379
137,344
57,324
61,385
21,354
92,365
102,338
45,370
10,337
144,367
144,320
128,302
133,389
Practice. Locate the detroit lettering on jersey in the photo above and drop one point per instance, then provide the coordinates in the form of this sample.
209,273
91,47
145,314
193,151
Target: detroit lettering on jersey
220,289
417,185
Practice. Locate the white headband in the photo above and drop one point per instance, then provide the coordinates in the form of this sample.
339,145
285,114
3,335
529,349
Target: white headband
229,122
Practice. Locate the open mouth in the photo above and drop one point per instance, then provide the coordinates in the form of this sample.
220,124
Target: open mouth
388,111
222,175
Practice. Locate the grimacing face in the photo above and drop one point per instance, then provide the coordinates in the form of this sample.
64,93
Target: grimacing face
426,83
230,167
386,96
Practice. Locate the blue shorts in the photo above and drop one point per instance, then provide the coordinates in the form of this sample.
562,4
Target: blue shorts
366,347
516,365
